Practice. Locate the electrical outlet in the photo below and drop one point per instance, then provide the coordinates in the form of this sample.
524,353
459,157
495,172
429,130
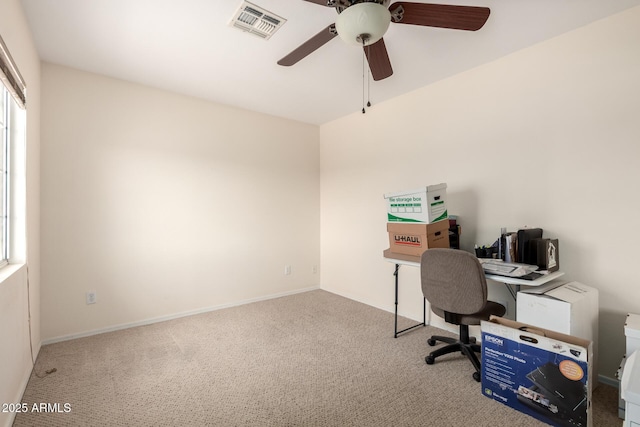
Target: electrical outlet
314,270
287,270
91,297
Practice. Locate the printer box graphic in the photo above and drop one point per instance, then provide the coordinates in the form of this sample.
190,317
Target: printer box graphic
542,373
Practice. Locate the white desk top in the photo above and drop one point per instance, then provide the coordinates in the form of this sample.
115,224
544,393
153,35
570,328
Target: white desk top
414,261
515,281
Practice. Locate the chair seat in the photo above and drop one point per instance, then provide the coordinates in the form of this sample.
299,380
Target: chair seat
475,318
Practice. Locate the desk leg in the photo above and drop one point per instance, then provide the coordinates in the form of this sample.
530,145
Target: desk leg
396,332
395,325
513,290
424,311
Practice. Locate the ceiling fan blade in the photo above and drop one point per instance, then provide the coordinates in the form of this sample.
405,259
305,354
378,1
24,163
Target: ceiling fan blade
320,2
309,46
378,59
470,18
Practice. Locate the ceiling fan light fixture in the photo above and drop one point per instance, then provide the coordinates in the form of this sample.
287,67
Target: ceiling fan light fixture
363,23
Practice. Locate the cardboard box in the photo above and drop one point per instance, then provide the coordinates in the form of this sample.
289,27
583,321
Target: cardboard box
414,239
569,308
426,205
536,371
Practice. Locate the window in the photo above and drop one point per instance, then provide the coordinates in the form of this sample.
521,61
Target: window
12,151
4,178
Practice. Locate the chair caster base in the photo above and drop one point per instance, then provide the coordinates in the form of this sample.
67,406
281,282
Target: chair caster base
430,360
476,376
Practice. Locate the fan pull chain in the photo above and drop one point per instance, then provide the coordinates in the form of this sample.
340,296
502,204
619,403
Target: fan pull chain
363,61
363,78
369,80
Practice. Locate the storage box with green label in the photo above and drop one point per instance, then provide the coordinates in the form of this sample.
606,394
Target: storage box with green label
425,205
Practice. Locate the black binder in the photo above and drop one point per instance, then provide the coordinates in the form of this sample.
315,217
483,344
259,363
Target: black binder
524,253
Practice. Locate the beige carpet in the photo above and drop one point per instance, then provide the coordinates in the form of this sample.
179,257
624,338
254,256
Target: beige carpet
311,359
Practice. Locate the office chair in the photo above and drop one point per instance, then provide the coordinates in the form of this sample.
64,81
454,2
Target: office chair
453,282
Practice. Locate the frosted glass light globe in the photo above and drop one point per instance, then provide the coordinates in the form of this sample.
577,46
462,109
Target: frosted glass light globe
363,22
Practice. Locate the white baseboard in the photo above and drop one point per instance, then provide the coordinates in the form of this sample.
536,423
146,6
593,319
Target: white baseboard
21,389
174,316
608,381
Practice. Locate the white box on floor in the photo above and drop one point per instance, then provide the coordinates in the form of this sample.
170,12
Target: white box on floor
630,389
619,377
569,308
632,333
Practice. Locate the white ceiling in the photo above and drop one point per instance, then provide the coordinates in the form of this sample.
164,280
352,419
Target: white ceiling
187,46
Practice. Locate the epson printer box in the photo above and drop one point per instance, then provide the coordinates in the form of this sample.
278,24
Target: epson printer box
542,373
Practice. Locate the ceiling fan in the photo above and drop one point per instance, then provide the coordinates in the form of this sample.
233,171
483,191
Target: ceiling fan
364,22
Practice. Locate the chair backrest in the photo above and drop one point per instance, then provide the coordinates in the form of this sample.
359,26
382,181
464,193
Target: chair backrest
453,280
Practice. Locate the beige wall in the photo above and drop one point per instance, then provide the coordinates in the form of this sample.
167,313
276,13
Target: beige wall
15,356
548,136
165,204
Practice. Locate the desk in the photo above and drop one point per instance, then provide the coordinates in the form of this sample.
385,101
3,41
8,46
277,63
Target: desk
513,284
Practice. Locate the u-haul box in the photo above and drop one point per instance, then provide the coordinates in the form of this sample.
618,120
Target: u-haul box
414,239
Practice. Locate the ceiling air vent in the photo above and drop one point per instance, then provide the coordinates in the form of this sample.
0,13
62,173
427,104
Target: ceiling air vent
255,20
